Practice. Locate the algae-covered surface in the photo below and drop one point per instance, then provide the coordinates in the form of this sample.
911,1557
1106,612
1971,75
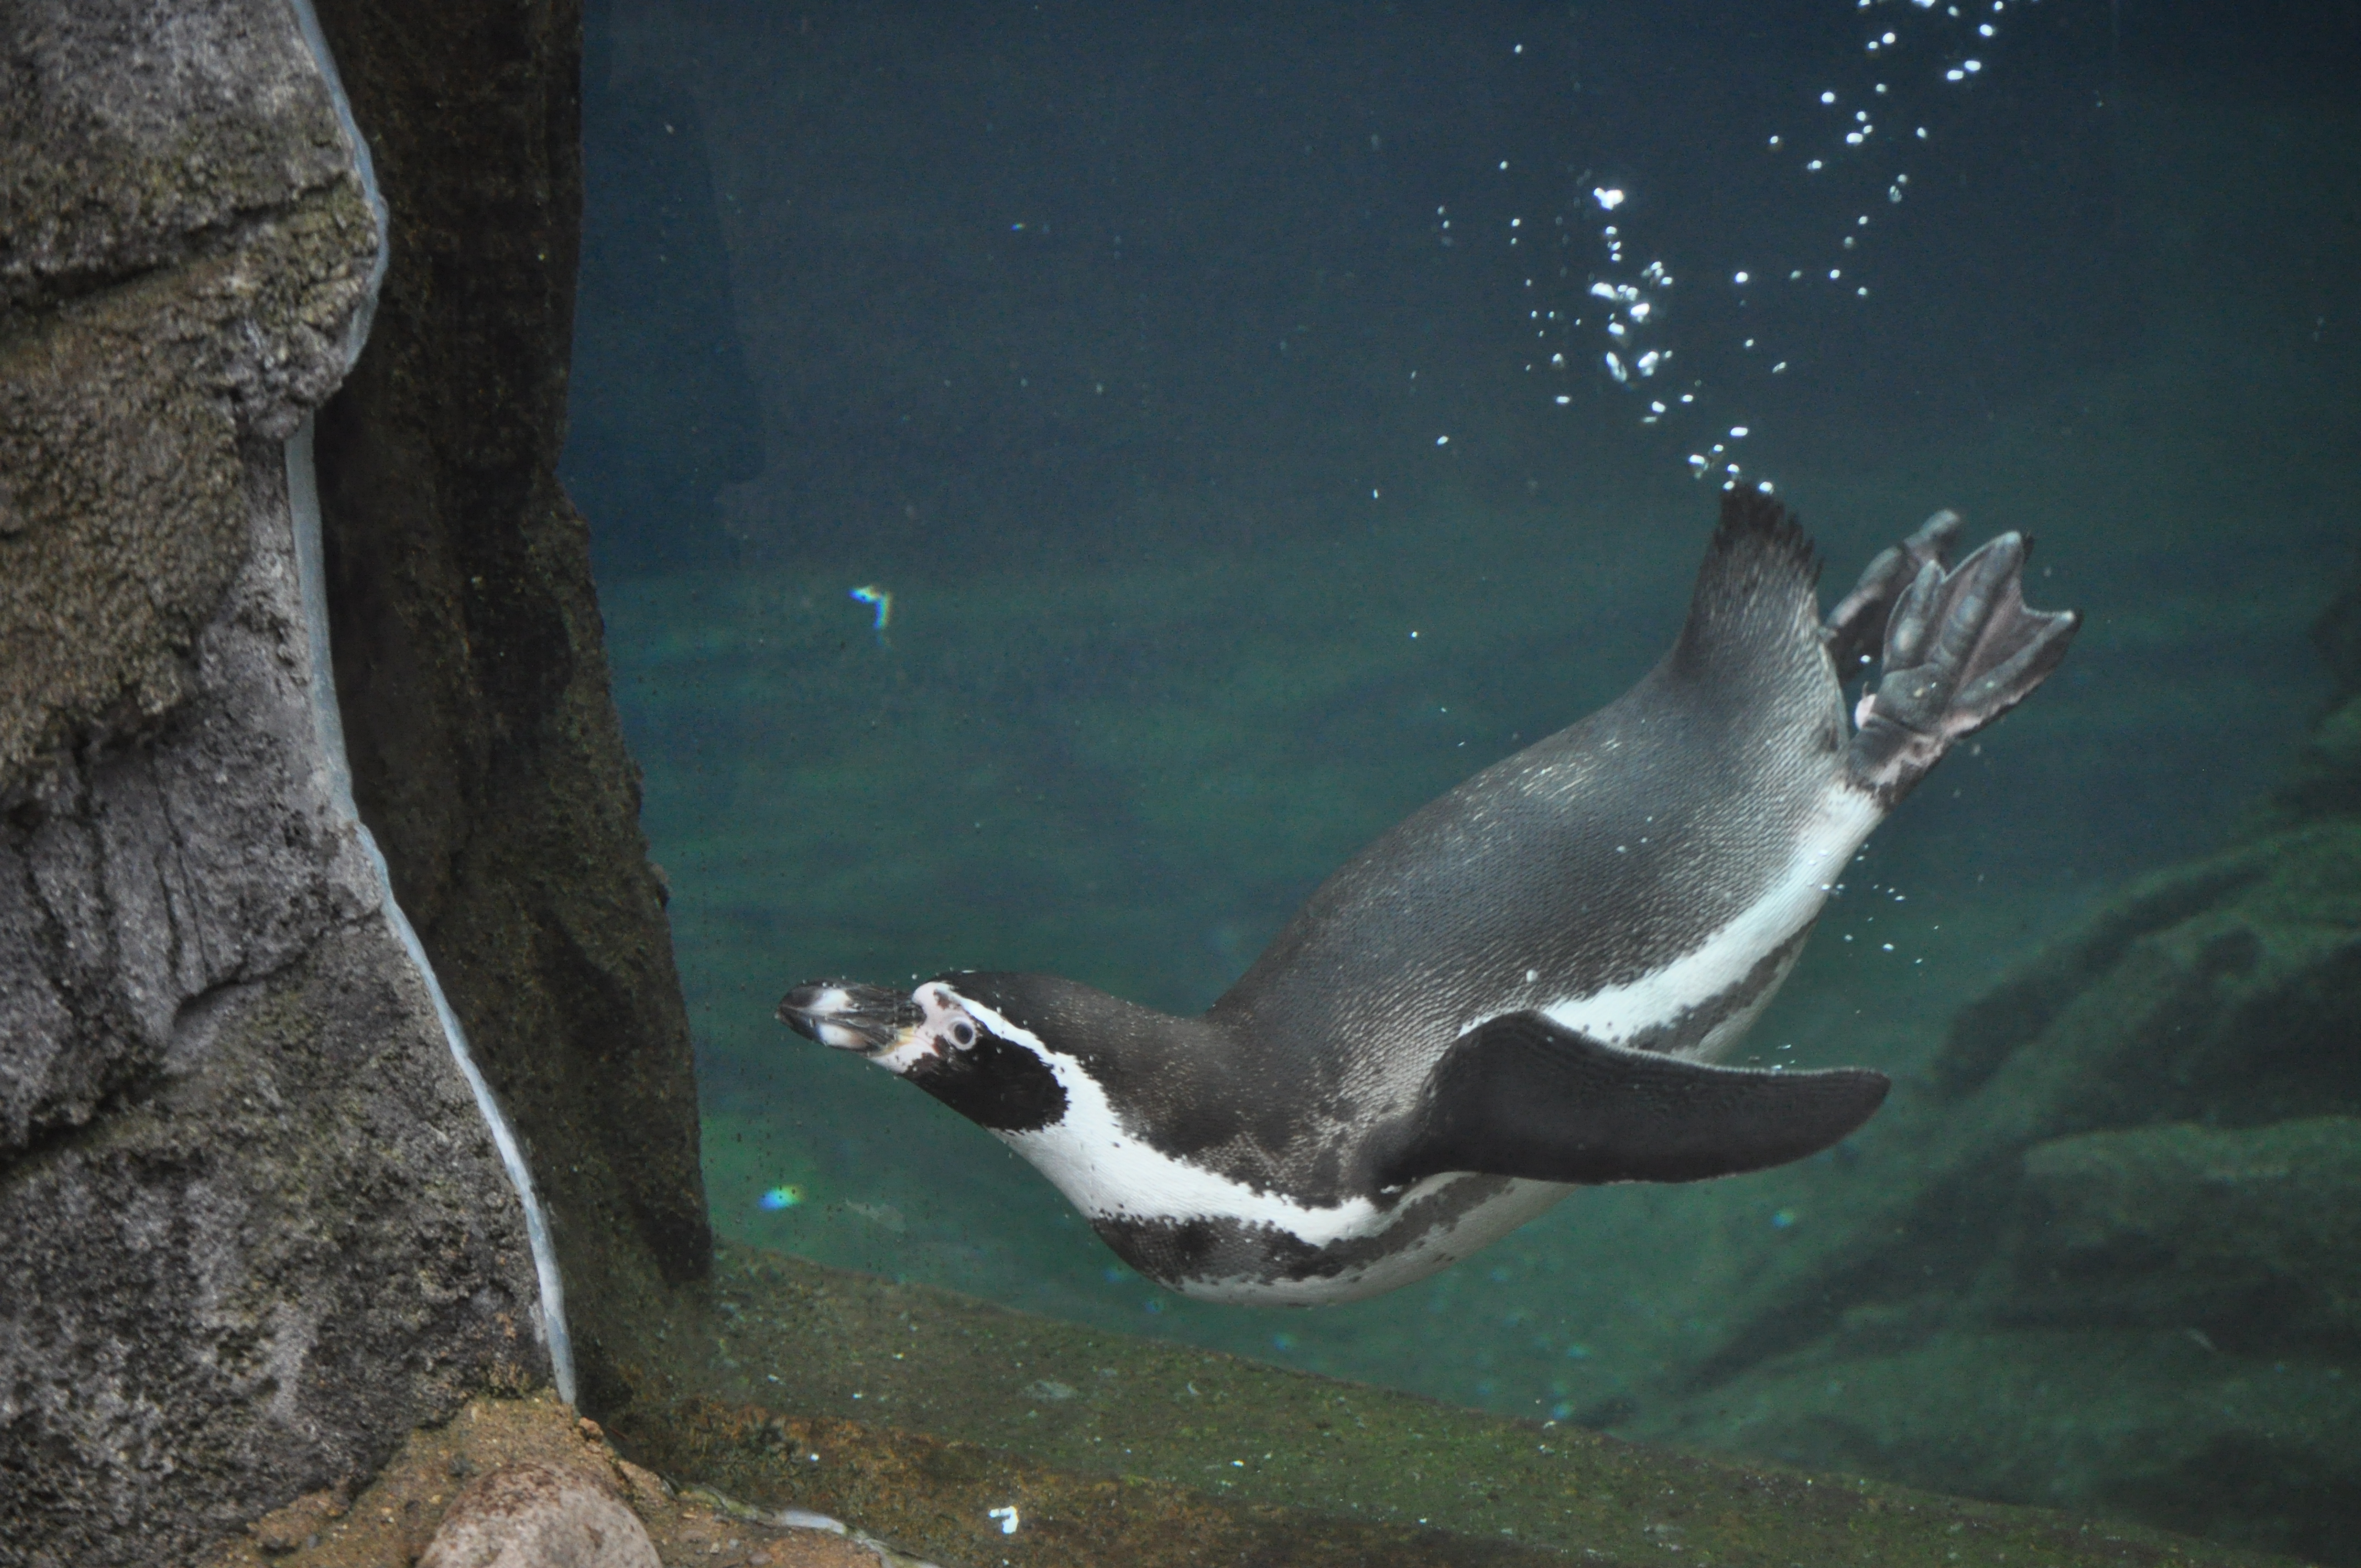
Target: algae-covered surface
914,1412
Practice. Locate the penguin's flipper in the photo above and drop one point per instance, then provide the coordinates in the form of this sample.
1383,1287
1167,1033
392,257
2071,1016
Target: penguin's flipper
1962,649
1523,1096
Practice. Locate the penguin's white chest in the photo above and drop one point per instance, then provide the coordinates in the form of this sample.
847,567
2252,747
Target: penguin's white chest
1719,987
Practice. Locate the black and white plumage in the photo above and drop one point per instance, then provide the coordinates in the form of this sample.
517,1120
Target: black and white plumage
1522,988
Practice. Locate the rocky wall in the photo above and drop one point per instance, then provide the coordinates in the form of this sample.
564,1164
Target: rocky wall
253,1227
470,660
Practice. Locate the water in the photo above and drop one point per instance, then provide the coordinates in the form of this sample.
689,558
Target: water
1222,396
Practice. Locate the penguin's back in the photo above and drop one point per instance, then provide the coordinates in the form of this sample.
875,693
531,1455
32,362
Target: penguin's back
1589,860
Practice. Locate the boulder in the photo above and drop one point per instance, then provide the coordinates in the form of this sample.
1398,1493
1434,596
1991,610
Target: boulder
528,1515
2248,1236
471,668
254,1225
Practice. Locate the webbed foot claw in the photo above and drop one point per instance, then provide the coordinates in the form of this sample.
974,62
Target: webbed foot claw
1961,649
1855,631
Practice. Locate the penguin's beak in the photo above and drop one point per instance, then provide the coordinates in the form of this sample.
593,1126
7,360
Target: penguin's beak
850,1016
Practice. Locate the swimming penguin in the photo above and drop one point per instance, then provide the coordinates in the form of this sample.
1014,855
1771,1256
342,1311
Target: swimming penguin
1522,988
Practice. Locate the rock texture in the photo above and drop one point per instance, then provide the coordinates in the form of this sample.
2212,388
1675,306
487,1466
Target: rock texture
251,1227
2121,1268
487,754
529,1515
424,1508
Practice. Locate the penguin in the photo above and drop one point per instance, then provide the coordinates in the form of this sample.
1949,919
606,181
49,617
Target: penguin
1528,985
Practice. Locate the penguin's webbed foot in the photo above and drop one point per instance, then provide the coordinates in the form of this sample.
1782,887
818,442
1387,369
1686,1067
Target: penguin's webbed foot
1961,649
1855,630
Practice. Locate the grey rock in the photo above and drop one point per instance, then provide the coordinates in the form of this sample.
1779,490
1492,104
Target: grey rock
251,1226
537,1516
2145,1424
471,669
149,331
252,1283
137,880
141,134
2250,1235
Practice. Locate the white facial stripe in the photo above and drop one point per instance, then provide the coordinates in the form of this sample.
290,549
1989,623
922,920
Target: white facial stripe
914,1045
926,1039
1107,1171
1617,1014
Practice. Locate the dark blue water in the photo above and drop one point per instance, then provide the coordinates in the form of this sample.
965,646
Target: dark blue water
1222,395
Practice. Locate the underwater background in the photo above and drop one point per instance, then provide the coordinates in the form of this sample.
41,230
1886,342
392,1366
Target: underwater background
1262,418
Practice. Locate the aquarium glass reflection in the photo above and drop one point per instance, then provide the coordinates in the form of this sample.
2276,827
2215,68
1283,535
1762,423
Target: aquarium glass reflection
1064,479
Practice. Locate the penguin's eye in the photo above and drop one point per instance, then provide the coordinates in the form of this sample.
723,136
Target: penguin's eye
963,1034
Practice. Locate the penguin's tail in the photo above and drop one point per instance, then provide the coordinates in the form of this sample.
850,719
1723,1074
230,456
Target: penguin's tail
1752,632
1959,648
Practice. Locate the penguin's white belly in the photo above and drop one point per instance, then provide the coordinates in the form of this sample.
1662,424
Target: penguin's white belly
1426,1249
1727,957
1118,1181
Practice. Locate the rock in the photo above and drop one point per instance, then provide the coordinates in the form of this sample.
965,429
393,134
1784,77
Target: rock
471,670
251,1226
299,1524
420,1491
182,243
537,1516
2251,1235
2146,1424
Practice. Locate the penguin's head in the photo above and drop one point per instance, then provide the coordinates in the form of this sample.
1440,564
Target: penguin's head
996,1073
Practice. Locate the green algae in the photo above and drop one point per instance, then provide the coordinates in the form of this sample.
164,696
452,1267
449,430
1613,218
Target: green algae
932,1402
